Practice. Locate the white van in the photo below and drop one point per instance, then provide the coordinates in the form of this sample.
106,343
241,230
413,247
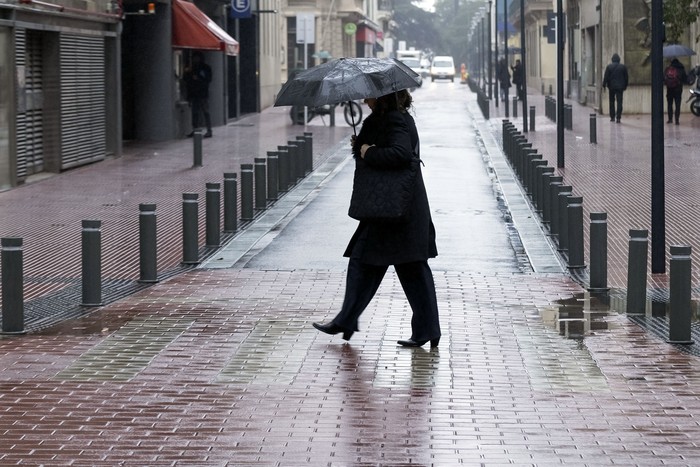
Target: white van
443,66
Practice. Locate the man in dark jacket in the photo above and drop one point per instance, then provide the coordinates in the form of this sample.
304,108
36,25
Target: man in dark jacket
518,79
674,77
197,78
615,80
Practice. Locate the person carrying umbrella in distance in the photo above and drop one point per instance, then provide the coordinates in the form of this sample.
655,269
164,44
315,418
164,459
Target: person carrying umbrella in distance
387,140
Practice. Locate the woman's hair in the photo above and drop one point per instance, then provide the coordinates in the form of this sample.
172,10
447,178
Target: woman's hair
400,100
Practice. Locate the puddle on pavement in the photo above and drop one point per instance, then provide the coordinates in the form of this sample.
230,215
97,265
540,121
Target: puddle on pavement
588,313
579,316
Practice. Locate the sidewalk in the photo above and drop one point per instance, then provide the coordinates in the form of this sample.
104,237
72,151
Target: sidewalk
219,366
47,214
614,176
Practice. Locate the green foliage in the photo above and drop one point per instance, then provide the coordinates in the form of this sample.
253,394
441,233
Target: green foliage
415,26
678,15
454,18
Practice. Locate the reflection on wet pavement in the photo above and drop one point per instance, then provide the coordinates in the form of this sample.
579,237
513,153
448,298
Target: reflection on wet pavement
127,352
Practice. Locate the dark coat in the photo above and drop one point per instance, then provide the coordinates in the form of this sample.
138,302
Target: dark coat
197,80
682,77
395,138
616,77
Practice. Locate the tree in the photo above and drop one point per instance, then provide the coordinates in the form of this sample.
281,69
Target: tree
415,26
678,16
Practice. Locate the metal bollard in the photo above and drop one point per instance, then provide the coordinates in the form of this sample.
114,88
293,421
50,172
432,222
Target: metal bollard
283,168
532,118
148,249
547,197
260,184
310,151
301,157
568,117
594,132
637,272
599,252
230,202
680,314
554,191
293,149
212,207
543,172
12,286
575,227
515,107
531,178
563,227
272,176
92,263
247,212
190,228
197,143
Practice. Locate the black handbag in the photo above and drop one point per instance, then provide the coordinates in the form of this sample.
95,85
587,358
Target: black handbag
383,195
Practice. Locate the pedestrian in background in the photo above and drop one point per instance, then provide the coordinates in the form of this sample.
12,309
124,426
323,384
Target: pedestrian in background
518,79
674,77
389,139
197,78
503,78
615,80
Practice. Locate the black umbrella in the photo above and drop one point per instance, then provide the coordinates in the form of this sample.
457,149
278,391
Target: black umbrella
346,79
677,50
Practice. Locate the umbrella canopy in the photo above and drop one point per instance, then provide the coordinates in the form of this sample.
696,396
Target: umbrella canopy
677,50
346,79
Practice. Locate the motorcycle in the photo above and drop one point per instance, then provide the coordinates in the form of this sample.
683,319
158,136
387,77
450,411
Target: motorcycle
694,98
695,101
352,111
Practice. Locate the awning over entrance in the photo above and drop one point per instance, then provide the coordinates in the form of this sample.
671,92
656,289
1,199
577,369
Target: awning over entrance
192,29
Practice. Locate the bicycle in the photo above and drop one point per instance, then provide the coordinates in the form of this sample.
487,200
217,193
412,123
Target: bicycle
352,112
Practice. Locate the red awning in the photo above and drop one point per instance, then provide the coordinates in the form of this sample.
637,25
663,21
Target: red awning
192,29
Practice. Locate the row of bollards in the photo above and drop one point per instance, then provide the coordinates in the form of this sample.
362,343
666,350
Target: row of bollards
483,101
550,111
562,213
680,278
261,185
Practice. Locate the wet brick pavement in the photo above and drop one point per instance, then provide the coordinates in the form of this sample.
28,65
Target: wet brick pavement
221,366
614,176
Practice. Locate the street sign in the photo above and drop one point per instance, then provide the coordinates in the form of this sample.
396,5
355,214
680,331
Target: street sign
306,28
240,9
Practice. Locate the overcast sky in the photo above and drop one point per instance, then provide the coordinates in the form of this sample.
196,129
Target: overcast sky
425,4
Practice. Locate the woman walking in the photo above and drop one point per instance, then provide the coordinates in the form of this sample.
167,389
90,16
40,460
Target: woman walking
389,139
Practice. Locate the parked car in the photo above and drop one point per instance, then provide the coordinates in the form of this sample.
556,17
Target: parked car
443,67
414,64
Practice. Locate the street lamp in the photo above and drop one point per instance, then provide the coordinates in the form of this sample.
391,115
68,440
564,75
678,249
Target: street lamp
489,55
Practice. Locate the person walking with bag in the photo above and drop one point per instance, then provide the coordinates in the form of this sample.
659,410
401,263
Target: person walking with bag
389,140
615,80
674,77
197,78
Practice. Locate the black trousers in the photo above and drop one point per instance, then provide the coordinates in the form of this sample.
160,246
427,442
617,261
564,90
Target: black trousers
416,279
615,96
674,95
200,111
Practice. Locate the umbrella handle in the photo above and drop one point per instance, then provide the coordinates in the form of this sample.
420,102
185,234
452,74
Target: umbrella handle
352,118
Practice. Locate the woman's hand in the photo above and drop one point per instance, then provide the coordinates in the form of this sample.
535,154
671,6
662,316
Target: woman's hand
364,149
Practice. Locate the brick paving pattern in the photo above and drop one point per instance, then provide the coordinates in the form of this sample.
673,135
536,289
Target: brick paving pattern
48,214
221,370
222,367
614,176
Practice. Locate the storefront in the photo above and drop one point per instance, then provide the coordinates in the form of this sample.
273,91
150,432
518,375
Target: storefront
55,109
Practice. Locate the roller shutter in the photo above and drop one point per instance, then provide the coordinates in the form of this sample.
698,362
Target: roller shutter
29,62
83,132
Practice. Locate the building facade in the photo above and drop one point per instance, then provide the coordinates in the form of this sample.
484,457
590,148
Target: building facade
59,86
